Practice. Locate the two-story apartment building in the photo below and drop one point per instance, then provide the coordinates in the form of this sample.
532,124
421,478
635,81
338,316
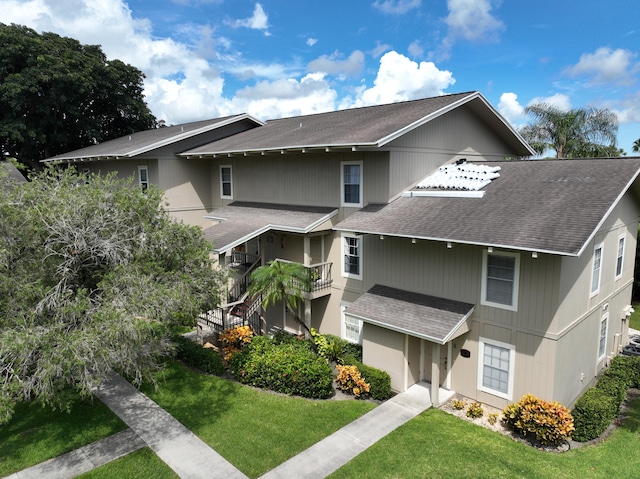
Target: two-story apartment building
519,285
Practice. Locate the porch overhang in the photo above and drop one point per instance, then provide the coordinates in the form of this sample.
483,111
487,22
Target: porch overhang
241,221
434,319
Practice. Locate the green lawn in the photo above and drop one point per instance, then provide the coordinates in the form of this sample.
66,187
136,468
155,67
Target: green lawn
36,434
438,445
254,430
634,321
141,464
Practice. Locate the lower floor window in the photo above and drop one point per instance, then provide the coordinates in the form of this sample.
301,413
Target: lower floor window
495,373
351,327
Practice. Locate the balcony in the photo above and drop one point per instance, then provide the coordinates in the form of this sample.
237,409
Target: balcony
320,279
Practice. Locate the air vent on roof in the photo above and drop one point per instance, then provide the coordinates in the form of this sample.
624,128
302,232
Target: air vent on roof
461,176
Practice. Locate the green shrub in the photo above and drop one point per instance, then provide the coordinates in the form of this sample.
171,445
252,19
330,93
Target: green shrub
346,348
380,381
204,359
289,368
474,410
549,422
283,337
458,404
593,413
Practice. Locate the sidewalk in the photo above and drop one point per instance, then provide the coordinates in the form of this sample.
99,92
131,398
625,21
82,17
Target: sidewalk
190,457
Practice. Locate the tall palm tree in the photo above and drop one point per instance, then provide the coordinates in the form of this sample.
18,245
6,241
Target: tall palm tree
282,281
636,146
581,132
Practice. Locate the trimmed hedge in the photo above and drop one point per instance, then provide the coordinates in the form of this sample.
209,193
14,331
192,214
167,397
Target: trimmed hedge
204,359
288,368
379,381
599,406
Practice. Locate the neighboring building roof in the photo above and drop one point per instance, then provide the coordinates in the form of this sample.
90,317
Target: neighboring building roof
427,317
13,174
241,221
144,141
553,206
367,127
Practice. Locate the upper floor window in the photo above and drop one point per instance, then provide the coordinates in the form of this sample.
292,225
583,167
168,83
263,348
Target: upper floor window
597,268
143,177
500,277
620,259
496,368
352,264
226,185
351,179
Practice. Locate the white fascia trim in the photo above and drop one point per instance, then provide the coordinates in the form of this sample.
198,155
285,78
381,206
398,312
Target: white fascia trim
281,149
397,328
426,119
81,159
270,226
443,194
189,134
453,241
609,211
453,331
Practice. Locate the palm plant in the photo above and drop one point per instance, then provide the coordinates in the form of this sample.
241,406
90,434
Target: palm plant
636,146
282,281
581,132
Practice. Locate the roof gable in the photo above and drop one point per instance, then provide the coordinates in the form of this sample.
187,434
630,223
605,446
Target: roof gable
135,144
366,127
553,206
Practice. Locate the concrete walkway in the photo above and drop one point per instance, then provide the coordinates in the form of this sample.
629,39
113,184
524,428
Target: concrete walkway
190,457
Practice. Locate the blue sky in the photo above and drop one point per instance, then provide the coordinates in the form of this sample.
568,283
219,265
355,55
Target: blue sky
274,58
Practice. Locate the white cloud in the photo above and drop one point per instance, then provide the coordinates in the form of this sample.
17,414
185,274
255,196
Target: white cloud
312,41
333,65
627,109
380,49
510,108
400,79
396,7
470,20
287,97
606,65
559,100
415,49
258,21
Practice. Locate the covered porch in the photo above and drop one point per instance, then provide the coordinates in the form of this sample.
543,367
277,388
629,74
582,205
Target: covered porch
410,335
249,235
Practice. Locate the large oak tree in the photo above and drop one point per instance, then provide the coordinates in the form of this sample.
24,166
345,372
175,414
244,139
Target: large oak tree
57,95
93,274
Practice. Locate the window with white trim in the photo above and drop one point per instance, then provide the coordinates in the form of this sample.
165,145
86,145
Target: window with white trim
500,278
620,258
351,181
226,183
597,269
143,177
602,342
496,368
351,327
352,256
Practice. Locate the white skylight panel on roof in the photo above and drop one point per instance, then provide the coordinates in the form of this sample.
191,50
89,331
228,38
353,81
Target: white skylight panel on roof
463,176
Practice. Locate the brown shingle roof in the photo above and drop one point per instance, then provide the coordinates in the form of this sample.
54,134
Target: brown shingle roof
547,206
367,126
141,142
428,317
242,221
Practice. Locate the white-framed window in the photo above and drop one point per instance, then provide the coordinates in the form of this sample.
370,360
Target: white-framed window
597,269
496,368
620,257
351,327
500,278
351,181
143,177
226,182
602,341
352,256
